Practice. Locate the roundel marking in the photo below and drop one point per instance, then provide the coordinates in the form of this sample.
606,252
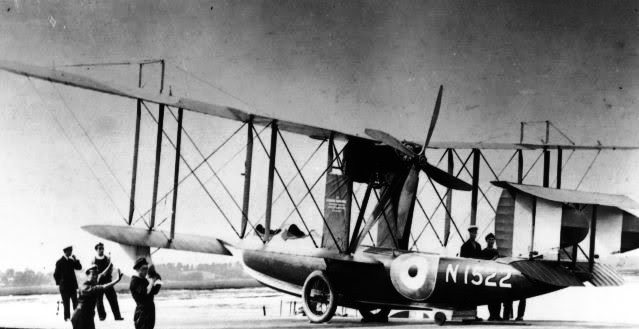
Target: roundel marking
414,275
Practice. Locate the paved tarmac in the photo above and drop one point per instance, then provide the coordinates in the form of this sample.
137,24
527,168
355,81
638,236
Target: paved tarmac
300,322
262,308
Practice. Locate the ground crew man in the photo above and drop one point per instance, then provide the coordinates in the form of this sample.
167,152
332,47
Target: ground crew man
508,310
89,293
144,286
64,276
490,253
104,269
471,248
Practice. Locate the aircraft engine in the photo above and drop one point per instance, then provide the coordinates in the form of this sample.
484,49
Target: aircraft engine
414,275
364,161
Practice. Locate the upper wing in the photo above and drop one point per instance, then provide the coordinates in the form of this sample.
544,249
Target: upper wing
84,82
221,111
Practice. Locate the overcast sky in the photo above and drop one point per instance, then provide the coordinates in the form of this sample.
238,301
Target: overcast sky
345,65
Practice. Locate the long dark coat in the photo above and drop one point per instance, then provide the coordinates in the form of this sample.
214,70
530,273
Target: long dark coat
64,273
470,249
144,316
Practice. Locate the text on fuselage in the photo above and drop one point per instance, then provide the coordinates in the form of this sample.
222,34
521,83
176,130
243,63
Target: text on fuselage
472,275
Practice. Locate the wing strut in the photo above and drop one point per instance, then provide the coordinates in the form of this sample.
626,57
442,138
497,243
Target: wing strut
176,176
136,145
593,235
449,197
475,187
248,167
158,154
360,218
269,188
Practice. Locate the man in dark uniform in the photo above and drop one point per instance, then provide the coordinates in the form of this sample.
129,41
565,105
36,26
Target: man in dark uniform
490,253
471,248
508,310
64,276
104,270
144,316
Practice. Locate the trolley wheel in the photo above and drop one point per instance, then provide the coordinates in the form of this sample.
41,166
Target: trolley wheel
440,318
374,314
318,298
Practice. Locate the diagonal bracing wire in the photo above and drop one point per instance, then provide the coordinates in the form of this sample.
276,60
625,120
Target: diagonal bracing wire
533,165
308,188
312,186
68,138
561,132
563,166
390,230
479,188
290,181
497,178
497,175
289,195
441,200
588,169
168,193
340,164
219,208
88,137
359,208
483,193
228,192
204,161
429,222
441,203
210,84
436,165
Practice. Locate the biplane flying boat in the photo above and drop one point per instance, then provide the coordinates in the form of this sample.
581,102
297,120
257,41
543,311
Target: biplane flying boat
541,230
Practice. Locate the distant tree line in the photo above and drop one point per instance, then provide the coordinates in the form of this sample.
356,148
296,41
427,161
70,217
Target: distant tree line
169,272
13,278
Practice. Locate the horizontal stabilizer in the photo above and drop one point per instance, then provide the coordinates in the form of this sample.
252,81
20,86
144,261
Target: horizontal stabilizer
559,274
573,196
133,236
602,275
547,272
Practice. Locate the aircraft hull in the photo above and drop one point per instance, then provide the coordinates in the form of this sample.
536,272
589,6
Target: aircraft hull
456,282
372,276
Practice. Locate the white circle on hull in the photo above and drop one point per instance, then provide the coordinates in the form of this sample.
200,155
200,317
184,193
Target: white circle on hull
414,275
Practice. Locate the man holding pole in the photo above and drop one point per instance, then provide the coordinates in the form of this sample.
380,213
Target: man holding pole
105,270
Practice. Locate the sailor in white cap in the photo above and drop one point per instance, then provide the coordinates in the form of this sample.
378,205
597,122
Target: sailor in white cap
471,248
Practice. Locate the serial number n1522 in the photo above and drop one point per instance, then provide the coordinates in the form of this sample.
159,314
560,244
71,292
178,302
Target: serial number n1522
472,275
